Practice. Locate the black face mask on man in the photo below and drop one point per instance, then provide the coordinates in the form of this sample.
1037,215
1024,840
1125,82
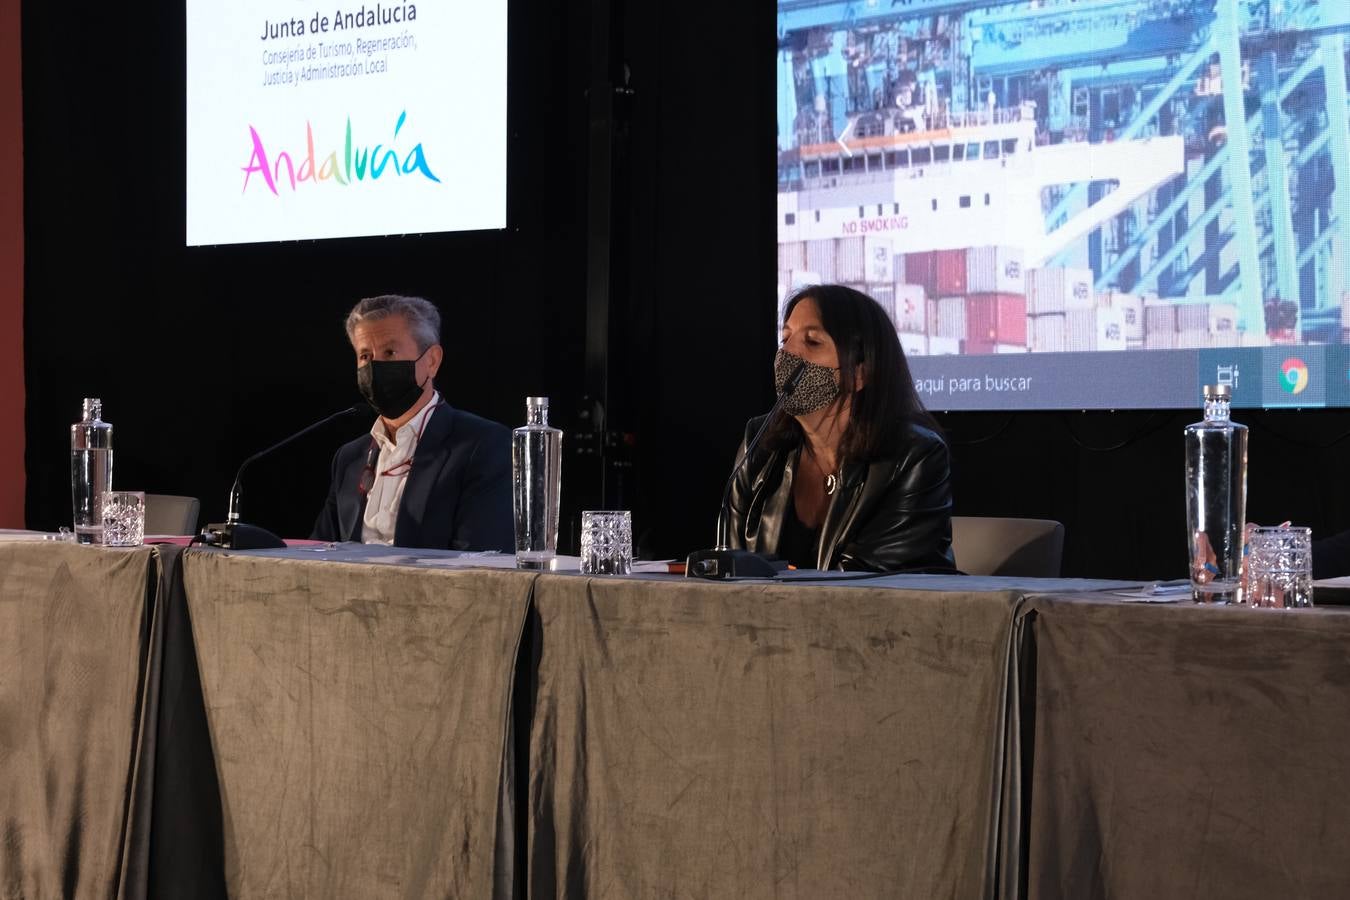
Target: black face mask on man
390,385
817,388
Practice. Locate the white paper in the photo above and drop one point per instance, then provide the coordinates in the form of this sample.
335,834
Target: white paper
1165,592
13,534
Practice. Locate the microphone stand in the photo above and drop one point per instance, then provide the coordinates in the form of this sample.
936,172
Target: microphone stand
233,534
722,561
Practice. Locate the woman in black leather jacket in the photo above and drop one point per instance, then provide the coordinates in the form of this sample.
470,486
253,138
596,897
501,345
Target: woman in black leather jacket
854,474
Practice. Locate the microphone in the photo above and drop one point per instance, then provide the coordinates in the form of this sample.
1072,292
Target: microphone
721,561
233,534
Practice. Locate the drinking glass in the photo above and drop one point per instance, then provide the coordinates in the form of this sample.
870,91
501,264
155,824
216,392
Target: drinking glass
606,542
1279,567
123,514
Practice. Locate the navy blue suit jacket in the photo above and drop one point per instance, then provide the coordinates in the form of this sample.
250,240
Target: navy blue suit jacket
1331,556
458,495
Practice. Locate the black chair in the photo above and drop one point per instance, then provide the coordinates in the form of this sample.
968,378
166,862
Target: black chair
170,514
1027,548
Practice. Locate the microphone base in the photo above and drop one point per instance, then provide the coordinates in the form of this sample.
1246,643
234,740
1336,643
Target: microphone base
720,564
238,536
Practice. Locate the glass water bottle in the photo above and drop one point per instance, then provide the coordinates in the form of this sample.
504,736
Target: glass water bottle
91,463
536,476
1216,500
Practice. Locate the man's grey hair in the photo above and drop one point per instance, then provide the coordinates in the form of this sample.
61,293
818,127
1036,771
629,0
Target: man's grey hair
423,318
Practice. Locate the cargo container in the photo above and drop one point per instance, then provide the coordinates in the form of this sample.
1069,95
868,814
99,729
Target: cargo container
879,251
997,318
850,262
1223,318
941,272
990,348
921,269
798,279
792,256
820,259
995,270
1110,330
1194,338
1160,340
1192,316
1056,290
912,343
1251,338
950,321
1045,333
1133,307
1099,328
951,272
943,346
1159,316
884,294
1216,318
913,310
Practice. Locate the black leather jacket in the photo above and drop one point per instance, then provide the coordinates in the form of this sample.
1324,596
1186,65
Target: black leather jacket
890,516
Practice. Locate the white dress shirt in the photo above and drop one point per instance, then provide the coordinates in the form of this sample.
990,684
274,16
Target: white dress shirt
386,494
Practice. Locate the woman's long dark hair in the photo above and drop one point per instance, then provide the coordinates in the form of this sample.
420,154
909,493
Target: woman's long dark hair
864,336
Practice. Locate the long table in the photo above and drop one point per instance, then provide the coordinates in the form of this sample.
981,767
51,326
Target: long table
361,723
694,739
1184,751
349,723
74,633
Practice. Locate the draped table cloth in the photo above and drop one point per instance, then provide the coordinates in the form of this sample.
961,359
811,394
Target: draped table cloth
291,724
75,633
360,718
695,739
1183,751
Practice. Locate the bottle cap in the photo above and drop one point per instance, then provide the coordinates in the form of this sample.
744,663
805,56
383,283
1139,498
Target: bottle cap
93,407
1217,392
536,402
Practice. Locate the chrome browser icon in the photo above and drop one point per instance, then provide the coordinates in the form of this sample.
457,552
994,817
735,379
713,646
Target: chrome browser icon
1293,375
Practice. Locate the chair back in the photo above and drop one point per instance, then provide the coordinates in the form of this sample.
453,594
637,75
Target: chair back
170,514
1026,548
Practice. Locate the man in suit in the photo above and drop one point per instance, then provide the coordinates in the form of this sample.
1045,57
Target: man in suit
427,475
1331,556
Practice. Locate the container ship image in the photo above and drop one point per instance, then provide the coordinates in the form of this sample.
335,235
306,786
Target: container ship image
1066,176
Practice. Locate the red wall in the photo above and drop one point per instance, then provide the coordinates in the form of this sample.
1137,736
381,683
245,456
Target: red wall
11,270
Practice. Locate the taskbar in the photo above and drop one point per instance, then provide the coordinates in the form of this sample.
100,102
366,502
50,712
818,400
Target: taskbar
1314,375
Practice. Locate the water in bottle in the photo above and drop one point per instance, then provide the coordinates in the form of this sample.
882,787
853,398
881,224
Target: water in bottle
91,463
536,471
1216,500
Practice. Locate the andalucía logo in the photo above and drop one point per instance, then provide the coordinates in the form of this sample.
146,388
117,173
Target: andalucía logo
354,164
1293,375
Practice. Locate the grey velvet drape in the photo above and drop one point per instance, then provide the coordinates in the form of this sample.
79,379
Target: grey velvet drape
360,720
187,724
701,740
73,634
1182,751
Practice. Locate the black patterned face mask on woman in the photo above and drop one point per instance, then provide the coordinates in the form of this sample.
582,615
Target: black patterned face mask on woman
817,388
